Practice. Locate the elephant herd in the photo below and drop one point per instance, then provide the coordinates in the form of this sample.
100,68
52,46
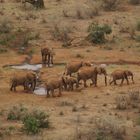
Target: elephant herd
82,70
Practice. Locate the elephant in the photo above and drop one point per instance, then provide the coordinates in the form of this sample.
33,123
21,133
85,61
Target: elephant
86,73
74,66
69,82
25,79
47,55
52,84
121,74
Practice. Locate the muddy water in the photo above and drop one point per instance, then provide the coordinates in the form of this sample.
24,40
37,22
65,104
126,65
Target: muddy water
34,67
40,91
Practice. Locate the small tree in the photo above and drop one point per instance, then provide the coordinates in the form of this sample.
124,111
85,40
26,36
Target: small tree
97,33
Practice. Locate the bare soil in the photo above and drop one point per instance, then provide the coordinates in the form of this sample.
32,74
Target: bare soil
91,102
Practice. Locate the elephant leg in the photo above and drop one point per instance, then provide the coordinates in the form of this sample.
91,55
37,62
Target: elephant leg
72,87
15,88
66,87
77,84
52,60
48,95
115,83
111,82
43,59
60,92
132,79
11,89
122,81
26,86
78,80
127,80
95,81
105,80
33,85
48,60
85,84
52,91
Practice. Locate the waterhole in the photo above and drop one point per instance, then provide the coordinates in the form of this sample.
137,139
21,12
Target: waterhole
33,67
40,91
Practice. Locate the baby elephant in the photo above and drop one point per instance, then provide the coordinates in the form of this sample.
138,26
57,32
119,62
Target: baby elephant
47,55
121,74
25,79
69,82
53,84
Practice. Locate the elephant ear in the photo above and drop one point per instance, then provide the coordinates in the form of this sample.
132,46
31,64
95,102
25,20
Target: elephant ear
96,69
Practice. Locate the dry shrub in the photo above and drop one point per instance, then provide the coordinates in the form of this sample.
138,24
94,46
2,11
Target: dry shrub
103,128
134,2
110,127
134,95
62,33
94,8
132,33
93,11
122,102
5,26
65,13
131,99
66,102
138,25
110,5
79,14
79,56
31,16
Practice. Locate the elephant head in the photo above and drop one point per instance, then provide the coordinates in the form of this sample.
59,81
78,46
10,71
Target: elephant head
102,70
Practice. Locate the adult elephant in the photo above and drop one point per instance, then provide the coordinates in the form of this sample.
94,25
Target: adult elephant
87,73
121,75
25,79
74,66
47,55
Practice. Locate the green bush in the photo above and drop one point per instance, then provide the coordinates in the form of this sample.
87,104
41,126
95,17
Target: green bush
97,33
34,121
31,125
42,118
17,113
